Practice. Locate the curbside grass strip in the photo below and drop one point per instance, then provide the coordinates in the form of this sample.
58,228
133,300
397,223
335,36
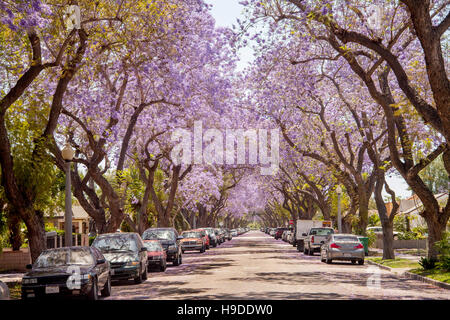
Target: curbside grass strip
427,280
414,276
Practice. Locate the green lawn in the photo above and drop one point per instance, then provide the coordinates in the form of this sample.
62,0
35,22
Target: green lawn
397,263
436,274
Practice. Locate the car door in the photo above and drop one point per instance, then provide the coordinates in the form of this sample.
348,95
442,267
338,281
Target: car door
143,256
102,270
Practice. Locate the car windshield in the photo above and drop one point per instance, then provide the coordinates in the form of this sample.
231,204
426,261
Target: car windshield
110,244
346,238
153,246
158,235
321,232
58,258
191,234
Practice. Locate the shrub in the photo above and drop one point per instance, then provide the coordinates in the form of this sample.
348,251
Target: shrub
427,264
372,237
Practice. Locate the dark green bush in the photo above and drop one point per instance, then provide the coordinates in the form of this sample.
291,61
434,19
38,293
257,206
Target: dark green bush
427,264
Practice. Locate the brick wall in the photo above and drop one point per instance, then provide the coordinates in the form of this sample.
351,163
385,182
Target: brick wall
14,260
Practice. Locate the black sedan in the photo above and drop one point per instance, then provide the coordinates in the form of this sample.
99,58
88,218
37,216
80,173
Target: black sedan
74,271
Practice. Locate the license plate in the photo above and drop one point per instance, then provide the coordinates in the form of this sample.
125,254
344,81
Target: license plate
51,289
347,254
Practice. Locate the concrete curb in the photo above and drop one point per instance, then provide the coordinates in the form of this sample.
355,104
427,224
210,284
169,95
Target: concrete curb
413,276
427,280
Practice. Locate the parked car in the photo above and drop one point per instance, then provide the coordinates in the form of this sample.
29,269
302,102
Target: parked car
205,236
228,234
212,237
379,230
126,254
342,247
290,238
316,237
219,236
75,271
192,241
285,235
279,233
302,227
170,241
233,232
272,231
157,257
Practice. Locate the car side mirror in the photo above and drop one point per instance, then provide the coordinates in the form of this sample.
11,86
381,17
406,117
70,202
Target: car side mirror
101,261
29,266
143,249
304,234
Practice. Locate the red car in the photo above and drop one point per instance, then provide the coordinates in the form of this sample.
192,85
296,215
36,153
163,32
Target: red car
205,236
279,232
157,257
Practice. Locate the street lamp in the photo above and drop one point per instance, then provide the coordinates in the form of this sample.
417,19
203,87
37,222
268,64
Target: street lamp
67,154
339,192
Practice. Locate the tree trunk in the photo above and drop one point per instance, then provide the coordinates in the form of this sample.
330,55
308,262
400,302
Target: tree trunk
36,234
388,239
436,231
15,236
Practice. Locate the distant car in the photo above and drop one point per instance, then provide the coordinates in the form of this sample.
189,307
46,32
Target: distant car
212,237
157,257
234,233
342,247
126,254
272,231
379,230
279,232
192,241
49,275
205,236
170,240
290,238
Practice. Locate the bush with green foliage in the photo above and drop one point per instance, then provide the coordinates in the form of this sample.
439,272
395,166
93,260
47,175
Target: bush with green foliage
444,252
427,263
372,237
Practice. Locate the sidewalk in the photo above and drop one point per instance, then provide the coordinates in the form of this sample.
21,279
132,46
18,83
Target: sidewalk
399,254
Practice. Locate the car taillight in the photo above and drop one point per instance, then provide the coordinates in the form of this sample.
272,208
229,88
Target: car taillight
334,245
359,246
312,239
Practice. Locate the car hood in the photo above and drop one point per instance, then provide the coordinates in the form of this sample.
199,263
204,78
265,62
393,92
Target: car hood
56,271
120,256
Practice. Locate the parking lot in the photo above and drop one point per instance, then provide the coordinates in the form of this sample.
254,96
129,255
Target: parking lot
256,266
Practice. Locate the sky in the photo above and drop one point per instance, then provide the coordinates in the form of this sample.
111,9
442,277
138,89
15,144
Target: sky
225,12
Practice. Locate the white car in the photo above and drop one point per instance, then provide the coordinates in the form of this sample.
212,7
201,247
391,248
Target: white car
379,230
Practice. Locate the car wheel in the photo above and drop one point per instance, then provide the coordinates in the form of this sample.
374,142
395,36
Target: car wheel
353,261
207,247
328,261
145,275
215,245
138,279
163,267
181,259
106,291
361,262
182,251
93,294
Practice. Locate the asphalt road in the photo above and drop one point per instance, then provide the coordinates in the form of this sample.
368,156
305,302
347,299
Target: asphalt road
256,266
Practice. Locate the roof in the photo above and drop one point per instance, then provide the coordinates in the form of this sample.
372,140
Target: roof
77,213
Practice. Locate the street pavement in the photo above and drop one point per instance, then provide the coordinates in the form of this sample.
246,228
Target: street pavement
256,266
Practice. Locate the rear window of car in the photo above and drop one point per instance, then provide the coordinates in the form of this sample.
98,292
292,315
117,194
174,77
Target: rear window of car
321,232
346,238
153,246
191,234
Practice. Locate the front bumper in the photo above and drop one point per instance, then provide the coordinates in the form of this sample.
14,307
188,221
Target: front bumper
39,291
124,273
191,247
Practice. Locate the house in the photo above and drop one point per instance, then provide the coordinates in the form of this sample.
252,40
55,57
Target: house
412,207
80,220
